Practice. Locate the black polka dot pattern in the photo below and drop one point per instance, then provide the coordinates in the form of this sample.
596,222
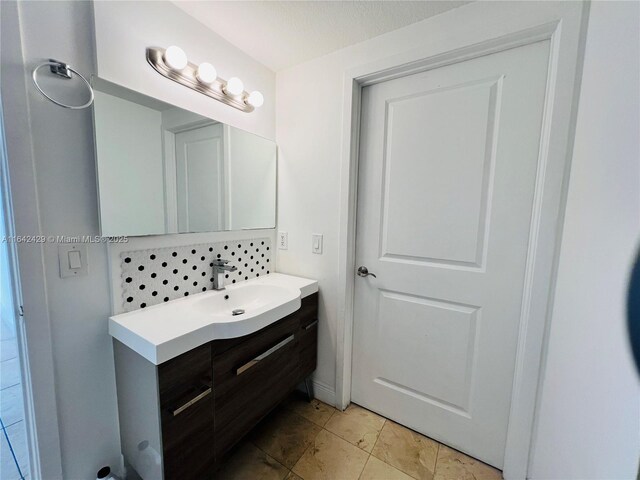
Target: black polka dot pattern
154,276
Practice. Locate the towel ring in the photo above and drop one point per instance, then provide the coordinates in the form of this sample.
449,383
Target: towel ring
62,70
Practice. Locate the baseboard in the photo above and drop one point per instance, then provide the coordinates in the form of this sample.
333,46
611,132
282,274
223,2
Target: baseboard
321,391
324,392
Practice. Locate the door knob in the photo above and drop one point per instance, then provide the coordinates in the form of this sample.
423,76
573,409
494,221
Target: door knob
364,272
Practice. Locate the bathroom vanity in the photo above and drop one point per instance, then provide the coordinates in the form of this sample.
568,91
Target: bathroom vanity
193,378
197,366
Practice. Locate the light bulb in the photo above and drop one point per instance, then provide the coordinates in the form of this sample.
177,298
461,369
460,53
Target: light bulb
175,58
255,99
234,86
206,73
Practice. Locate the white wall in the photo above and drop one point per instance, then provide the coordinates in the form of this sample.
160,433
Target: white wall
63,151
589,411
125,29
128,140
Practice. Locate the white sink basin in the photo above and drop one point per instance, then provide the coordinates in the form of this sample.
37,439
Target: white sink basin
164,331
253,299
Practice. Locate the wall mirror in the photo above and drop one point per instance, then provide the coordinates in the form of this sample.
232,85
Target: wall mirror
163,169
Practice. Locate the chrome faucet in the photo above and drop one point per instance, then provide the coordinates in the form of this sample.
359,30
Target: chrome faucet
219,267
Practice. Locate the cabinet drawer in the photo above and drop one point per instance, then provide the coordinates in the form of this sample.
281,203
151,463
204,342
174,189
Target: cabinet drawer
186,411
246,399
250,381
230,355
188,441
178,376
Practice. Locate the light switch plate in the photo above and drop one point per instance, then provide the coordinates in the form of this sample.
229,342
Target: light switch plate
283,240
316,243
75,260
65,260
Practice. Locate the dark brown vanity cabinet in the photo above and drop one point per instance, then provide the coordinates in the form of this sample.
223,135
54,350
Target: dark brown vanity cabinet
194,408
186,413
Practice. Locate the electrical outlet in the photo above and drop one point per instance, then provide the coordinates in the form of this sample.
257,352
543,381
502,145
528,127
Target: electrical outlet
283,240
316,243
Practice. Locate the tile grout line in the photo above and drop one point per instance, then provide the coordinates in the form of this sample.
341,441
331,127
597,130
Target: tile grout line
374,445
305,451
335,410
14,423
322,427
364,466
393,466
345,440
6,435
369,454
9,386
348,441
270,456
378,438
313,441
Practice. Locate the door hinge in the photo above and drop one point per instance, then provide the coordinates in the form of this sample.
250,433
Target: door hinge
21,312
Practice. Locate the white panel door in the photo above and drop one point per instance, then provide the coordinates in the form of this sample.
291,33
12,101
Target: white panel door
200,179
447,170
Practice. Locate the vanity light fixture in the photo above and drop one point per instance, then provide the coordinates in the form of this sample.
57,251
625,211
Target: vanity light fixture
206,73
173,64
234,86
175,58
255,99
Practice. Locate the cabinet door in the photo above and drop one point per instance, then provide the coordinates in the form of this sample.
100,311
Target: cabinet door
252,375
186,403
308,349
308,335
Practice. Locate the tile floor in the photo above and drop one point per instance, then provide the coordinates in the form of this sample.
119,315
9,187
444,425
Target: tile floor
313,441
14,459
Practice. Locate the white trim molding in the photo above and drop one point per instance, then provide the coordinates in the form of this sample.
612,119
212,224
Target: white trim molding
477,29
34,332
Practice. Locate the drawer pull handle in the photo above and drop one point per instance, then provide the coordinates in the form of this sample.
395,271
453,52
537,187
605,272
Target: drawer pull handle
195,399
259,358
311,325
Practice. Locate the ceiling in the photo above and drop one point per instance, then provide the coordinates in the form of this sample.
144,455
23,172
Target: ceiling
280,34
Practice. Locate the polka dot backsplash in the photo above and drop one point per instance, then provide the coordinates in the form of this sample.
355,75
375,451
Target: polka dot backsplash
158,275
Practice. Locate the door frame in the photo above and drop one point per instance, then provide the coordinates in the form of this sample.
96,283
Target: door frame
169,158
34,332
169,132
497,26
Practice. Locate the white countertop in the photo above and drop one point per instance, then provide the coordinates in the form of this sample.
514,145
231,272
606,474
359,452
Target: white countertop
164,331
